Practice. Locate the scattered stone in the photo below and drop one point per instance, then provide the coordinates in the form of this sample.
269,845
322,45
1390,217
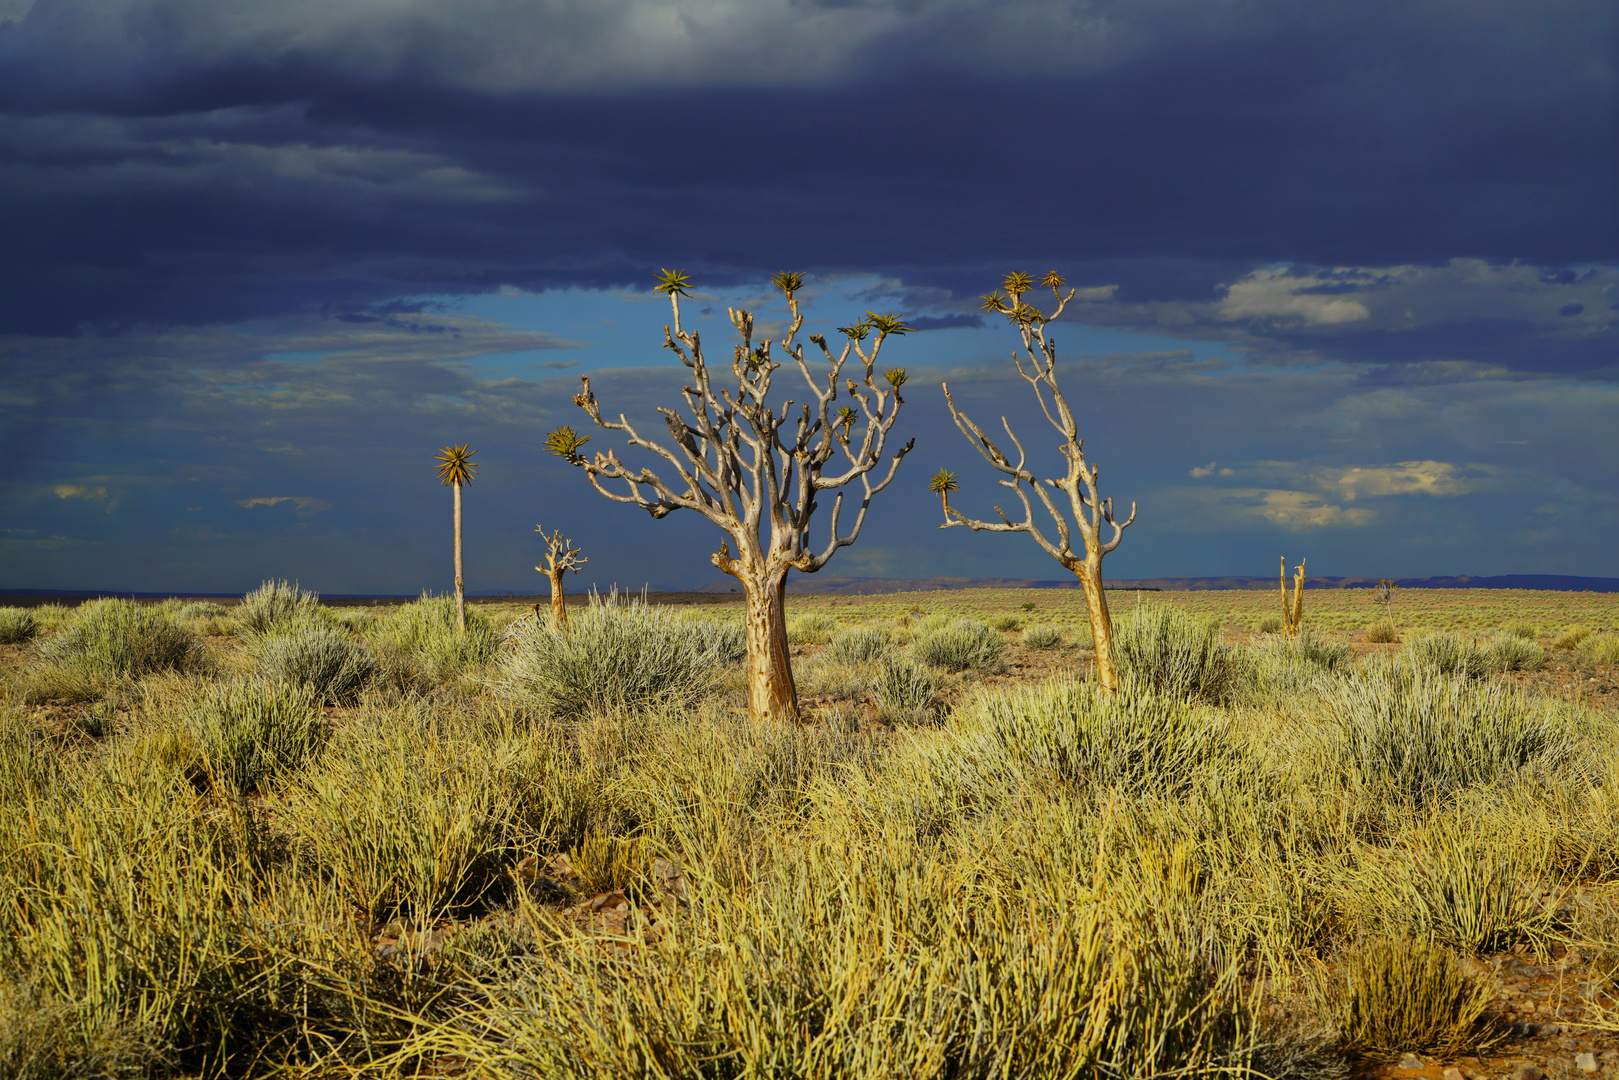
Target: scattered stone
1454,1073
1411,1061
1527,1072
1586,1062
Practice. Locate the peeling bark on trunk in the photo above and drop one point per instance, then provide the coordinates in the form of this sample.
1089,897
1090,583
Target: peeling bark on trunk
460,592
559,608
1090,579
771,691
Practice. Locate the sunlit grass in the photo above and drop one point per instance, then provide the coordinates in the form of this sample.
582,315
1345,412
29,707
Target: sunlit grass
948,875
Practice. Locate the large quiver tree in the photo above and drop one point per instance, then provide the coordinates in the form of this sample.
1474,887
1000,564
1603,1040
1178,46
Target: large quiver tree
757,472
1089,510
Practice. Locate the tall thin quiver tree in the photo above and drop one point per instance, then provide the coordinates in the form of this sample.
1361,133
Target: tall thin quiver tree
757,472
456,469
1090,511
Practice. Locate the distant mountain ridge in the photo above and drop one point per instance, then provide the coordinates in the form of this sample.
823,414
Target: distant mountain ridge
825,584
807,583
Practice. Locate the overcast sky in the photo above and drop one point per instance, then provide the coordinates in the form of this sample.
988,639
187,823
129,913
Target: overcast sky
1350,272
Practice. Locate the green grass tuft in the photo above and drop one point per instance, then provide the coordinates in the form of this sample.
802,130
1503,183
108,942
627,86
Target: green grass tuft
1419,737
122,639
1042,636
960,645
1410,995
1599,649
858,645
248,734
631,656
906,690
275,605
1449,654
1170,652
318,660
17,625
424,633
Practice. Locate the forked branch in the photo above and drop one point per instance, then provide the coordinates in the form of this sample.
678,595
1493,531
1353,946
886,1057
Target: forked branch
1088,510
747,464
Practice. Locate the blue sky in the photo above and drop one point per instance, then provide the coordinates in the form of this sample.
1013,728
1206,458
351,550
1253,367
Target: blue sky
1349,273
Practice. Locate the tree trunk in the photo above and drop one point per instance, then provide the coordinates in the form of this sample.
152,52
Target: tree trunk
1090,579
460,592
559,609
771,692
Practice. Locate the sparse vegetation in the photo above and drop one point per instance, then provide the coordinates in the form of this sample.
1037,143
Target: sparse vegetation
1042,636
275,605
1514,652
630,657
936,875
858,645
1381,632
17,625
426,635
960,645
1449,654
1424,734
238,737
112,639
1410,995
317,660
810,629
1175,654
1571,638
1599,649
905,690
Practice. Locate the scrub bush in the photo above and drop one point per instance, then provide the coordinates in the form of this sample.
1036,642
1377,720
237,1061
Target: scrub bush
319,660
962,645
633,657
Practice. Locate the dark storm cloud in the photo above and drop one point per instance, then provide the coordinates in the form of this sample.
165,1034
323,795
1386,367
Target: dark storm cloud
1374,245
186,162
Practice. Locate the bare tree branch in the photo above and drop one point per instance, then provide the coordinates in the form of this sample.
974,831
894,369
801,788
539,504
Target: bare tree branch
1088,510
753,469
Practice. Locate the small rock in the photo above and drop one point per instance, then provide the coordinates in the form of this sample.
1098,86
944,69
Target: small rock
1586,1062
1411,1061
1454,1074
1527,1072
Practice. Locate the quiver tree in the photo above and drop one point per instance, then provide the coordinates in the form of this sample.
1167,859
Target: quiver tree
1089,510
559,559
758,472
1292,609
456,469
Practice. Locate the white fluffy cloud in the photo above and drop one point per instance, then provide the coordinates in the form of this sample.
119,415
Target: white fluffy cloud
304,504
1278,294
1300,495
1322,301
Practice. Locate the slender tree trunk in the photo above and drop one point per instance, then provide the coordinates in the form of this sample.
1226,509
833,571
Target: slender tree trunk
460,592
559,608
771,692
1090,579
